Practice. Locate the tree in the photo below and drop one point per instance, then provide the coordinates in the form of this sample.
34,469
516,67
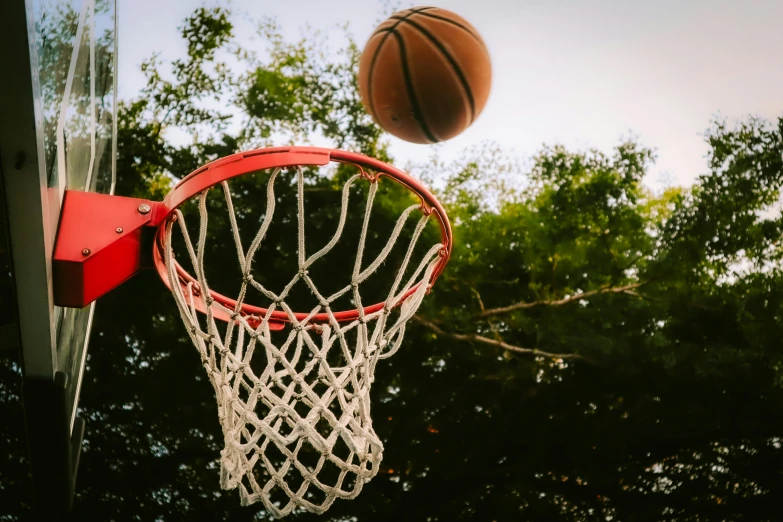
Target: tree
595,350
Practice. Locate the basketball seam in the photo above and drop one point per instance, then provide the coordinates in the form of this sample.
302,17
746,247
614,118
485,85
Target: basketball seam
388,31
399,18
417,115
468,30
454,65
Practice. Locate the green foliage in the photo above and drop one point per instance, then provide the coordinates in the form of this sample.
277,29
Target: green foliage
177,102
306,87
722,221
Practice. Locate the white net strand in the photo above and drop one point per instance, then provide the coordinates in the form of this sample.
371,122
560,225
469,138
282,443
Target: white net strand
309,396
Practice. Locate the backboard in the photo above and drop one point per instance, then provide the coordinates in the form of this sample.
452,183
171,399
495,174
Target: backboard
58,132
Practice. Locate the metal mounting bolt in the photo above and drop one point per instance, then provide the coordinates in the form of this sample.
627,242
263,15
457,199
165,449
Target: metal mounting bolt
144,208
118,230
86,252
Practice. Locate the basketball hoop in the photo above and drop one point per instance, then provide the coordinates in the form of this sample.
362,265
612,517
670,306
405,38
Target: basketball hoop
303,395
219,171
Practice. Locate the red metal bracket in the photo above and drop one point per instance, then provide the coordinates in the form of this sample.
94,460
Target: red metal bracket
99,245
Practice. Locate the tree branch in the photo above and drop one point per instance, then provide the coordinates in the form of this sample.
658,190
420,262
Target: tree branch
558,302
668,301
499,344
478,296
646,297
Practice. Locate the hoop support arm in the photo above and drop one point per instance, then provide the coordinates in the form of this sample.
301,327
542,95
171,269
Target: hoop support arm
101,242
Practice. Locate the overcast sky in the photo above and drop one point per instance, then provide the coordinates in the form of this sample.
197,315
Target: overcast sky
583,73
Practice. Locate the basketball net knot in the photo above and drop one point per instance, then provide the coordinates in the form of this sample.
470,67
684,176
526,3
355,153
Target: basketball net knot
295,408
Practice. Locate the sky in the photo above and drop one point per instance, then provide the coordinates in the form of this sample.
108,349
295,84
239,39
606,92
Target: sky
581,73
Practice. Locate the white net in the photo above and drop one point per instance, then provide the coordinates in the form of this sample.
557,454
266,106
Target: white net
295,406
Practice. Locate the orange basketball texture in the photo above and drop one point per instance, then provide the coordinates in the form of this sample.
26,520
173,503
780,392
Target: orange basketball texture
425,75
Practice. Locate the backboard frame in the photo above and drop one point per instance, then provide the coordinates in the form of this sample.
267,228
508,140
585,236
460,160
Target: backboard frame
53,340
52,443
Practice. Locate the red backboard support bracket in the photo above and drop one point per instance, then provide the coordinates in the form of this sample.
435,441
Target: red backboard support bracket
99,245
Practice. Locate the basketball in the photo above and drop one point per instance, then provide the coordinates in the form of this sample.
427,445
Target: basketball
425,75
